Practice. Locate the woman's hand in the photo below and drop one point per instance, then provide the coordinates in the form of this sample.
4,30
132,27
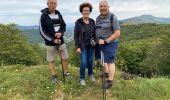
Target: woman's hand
78,50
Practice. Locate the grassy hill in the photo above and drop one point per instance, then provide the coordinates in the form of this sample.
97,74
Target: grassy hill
21,82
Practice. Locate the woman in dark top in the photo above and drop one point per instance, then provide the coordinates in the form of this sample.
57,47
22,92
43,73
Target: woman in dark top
84,31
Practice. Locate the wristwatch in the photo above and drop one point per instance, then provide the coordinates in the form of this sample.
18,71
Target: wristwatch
107,41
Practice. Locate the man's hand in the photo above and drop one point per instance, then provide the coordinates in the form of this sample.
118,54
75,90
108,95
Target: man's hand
78,50
101,41
58,35
57,41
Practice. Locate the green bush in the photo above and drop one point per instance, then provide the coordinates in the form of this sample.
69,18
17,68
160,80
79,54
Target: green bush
15,48
144,49
74,57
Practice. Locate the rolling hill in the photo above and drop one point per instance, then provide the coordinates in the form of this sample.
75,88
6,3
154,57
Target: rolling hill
146,19
33,34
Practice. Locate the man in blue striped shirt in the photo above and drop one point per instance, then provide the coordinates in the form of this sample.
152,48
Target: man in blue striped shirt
107,33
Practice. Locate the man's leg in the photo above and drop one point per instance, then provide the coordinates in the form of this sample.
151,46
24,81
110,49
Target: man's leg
64,56
111,70
51,50
110,52
52,67
53,72
106,70
111,66
109,82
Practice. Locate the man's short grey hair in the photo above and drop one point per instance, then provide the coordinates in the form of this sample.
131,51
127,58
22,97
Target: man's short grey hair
104,1
48,0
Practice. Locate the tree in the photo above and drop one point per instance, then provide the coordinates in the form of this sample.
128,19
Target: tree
15,48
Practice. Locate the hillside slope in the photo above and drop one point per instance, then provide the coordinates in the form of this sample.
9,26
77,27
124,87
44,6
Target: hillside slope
21,82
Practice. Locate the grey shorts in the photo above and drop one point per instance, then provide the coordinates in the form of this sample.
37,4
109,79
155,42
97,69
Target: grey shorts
52,50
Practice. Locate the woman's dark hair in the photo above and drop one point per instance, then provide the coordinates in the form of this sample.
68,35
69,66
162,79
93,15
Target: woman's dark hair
85,5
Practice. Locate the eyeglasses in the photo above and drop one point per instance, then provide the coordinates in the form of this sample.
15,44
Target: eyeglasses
52,3
86,10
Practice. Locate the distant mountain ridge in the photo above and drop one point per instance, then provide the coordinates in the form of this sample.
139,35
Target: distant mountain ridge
69,27
33,35
146,19
134,20
27,27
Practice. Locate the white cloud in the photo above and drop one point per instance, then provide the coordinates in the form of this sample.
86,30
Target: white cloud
27,12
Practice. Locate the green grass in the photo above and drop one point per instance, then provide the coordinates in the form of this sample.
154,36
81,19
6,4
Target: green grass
21,82
25,82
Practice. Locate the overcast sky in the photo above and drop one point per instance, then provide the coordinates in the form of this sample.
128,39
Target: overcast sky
27,12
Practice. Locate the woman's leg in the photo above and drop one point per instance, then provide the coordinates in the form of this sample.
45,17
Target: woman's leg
83,63
90,60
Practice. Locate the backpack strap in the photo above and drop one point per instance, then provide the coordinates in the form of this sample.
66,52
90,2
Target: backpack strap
111,20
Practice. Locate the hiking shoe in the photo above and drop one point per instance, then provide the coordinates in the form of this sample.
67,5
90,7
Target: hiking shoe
107,84
82,82
66,74
53,79
92,78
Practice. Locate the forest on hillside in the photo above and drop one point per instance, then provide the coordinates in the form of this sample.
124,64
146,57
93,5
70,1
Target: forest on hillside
143,49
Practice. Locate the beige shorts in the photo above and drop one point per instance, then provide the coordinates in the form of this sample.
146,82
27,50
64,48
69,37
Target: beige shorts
52,50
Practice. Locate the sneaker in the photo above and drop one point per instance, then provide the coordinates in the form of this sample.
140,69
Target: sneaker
82,82
107,84
53,79
92,78
66,74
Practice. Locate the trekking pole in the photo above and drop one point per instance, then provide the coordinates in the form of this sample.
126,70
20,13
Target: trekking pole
94,63
103,77
60,55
